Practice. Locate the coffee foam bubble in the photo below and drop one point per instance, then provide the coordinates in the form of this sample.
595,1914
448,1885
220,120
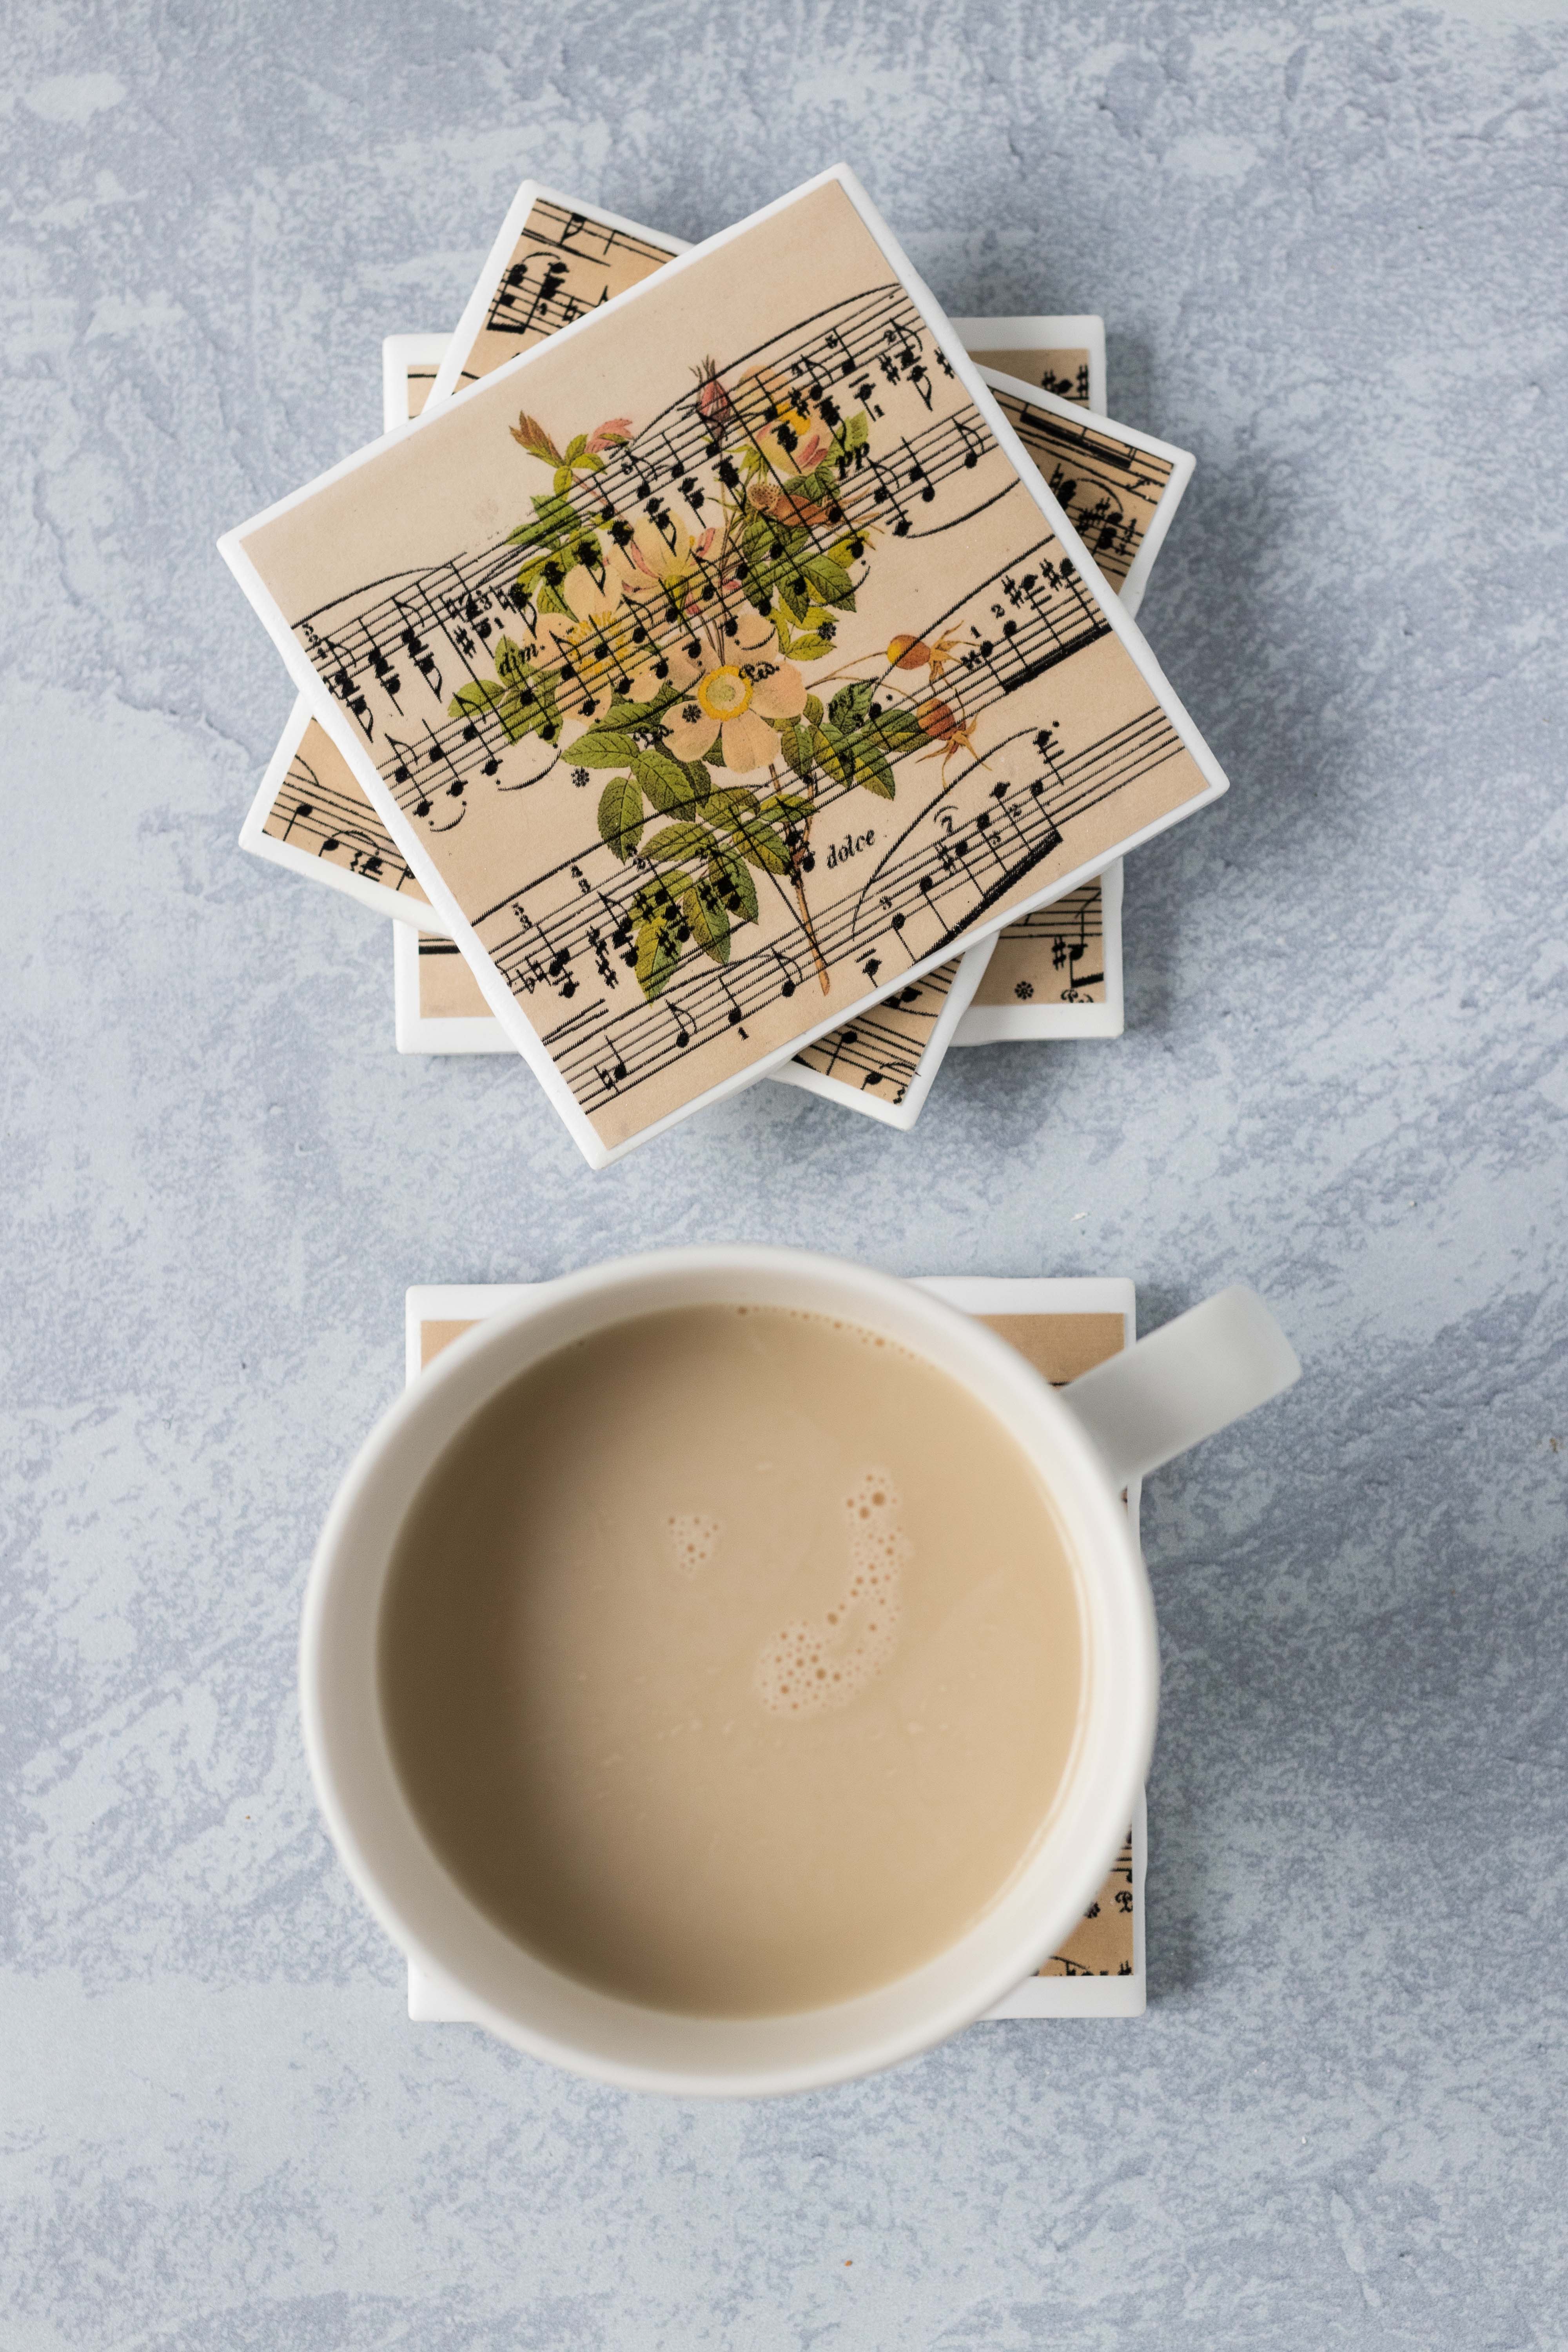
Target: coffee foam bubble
823,1662
694,1535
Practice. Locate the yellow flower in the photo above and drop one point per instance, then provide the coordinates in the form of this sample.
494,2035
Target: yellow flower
733,698
653,561
593,638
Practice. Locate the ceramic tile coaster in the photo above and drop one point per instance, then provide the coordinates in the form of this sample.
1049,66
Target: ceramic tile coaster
1064,1327
1120,486
696,567
1097,753
1057,973
884,1064
1069,362
551,262
409,364
311,815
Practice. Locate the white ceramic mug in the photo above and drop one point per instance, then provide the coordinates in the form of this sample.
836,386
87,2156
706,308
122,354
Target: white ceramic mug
1087,1440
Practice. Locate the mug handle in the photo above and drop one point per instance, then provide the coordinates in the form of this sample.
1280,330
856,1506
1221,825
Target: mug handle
1186,1380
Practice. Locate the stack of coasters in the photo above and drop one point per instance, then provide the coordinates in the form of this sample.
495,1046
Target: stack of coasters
774,578
1064,1327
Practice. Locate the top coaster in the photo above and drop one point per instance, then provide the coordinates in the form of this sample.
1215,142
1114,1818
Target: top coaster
802,484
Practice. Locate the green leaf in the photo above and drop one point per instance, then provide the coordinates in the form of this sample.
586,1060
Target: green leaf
576,447
785,808
896,728
812,714
660,897
836,754
605,747
851,706
680,841
793,593
727,872
759,844
555,520
482,695
657,957
704,908
675,787
796,742
512,663
641,714
831,582
872,769
621,816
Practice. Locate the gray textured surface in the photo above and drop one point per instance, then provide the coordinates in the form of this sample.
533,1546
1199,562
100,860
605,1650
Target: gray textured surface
1327,246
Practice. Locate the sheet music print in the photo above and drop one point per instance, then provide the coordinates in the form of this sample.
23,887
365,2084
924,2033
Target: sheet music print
448,989
880,1051
1055,956
419,377
1102,1945
320,807
561,266
1111,491
1067,374
824,503
1064,373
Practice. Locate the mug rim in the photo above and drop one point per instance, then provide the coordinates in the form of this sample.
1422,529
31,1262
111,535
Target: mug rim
1118,1709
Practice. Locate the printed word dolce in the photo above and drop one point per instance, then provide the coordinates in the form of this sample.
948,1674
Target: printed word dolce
850,846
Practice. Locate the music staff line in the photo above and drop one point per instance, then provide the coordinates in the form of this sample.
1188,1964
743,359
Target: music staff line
623,645
331,819
994,669
575,225
930,877
873,1046
357,648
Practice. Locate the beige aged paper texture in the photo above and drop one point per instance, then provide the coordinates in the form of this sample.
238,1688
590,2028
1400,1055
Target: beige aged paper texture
562,265
320,806
1110,489
1055,956
1064,373
448,989
1059,1346
502,631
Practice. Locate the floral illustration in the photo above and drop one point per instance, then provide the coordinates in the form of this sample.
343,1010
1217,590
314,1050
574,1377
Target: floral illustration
693,667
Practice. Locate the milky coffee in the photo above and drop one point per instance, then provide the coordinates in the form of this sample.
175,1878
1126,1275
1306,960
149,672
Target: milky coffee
731,1659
